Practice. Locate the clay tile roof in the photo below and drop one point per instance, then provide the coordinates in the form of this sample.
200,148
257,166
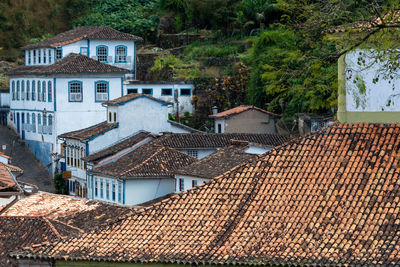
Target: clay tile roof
12,168
328,198
73,63
129,97
240,109
83,32
218,163
122,145
7,181
79,213
90,132
146,161
203,140
17,232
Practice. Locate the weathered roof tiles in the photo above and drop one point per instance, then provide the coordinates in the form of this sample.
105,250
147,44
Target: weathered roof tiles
89,132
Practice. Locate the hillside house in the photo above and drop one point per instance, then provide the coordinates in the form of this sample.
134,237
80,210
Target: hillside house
125,117
245,119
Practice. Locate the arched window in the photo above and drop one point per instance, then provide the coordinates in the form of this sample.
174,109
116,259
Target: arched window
22,90
102,53
120,54
33,122
18,89
49,91
75,91
33,90
101,91
13,90
44,91
39,92
28,90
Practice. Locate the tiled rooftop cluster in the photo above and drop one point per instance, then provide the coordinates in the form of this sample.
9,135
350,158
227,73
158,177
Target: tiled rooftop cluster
240,109
73,63
147,161
331,197
83,32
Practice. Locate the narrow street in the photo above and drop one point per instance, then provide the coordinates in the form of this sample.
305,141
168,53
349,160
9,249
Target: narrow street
34,172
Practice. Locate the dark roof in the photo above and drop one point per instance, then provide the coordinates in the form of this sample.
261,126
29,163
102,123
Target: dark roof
73,63
203,140
89,132
146,161
240,109
20,231
129,97
83,32
124,144
218,163
328,198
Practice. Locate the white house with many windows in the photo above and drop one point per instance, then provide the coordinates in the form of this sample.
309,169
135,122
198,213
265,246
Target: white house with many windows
64,82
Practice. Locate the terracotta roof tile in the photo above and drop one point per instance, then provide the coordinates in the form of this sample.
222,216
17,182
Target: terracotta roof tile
147,160
329,198
90,132
219,162
83,32
203,140
7,182
73,63
240,109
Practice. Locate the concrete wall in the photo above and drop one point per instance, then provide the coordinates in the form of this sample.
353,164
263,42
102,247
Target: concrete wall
188,182
362,100
185,104
251,121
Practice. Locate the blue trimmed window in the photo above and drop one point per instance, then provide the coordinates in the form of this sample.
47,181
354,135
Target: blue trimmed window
58,52
18,88
22,90
101,188
75,91
39,91
49,91
39,122
166,91
101,90
147,91
50,123
49,54
132,91
44,56
186,92
13,90
96,190
28,121
102,53
29,57
119,192
28,90
34,56
33,90
33,122
120,54
43,91
39,56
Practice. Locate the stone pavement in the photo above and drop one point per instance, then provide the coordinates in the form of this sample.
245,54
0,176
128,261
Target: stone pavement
34,171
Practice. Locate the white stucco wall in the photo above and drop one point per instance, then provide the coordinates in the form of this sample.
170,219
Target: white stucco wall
102,184
222,123
185,104
187,182
142,190
362,94
201,153
5,99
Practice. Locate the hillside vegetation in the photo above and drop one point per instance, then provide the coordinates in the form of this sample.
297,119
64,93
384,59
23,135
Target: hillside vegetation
281,51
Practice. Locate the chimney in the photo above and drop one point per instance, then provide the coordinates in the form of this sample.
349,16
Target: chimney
215,110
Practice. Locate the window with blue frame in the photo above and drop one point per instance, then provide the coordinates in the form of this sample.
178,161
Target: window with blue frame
39,56
44,91
29,57
49,91
28,90
101,88
50,123
22,90
113,192
39,122
18,89
101,188
33,122
102,53
119,192
120,54
166,91
50,57
44,56
75,91
39,91
34,56
147,91
13,90
28,121
186,91
107,189
95,187
33,90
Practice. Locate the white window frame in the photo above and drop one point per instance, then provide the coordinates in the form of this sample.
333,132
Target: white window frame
75,91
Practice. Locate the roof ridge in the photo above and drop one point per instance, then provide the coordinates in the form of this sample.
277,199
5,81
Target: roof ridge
52,227
66,224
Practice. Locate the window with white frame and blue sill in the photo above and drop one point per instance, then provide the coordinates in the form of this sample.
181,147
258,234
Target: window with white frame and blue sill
101,91
120,54
75,91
